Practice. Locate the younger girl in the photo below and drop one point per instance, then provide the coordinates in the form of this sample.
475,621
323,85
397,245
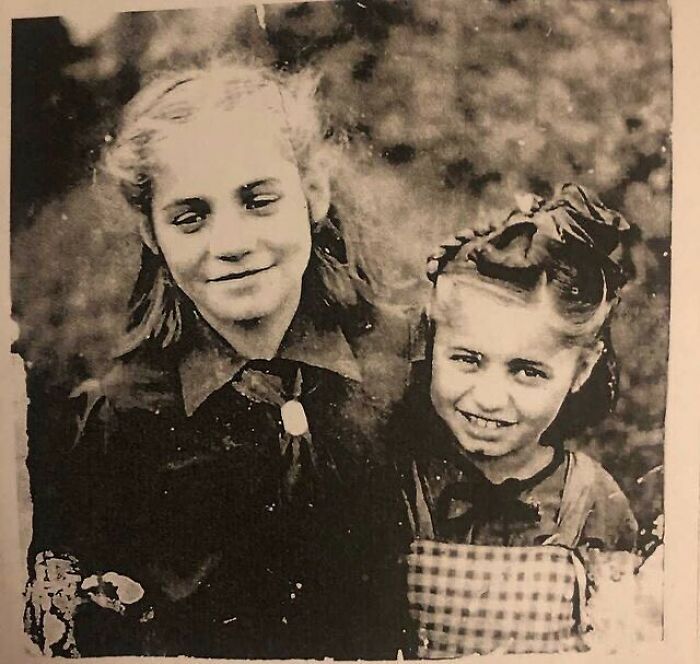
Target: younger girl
519,356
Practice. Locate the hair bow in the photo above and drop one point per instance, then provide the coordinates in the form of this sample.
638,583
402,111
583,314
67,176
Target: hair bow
573,217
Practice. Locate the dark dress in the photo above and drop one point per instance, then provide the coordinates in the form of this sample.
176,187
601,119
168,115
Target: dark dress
177,480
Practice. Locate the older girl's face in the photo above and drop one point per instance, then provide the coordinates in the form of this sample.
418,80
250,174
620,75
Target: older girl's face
230,215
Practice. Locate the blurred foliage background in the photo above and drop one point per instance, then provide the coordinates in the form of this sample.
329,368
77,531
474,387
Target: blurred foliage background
441,111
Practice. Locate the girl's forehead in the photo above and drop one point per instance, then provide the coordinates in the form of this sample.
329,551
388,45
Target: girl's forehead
258,113
469,311
247,120
244,143
457,294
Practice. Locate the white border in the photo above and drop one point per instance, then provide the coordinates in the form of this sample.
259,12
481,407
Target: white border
682,450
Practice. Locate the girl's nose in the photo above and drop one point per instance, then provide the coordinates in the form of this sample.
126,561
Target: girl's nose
233,235
489,392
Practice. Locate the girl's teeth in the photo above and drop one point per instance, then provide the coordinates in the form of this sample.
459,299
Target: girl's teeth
484,424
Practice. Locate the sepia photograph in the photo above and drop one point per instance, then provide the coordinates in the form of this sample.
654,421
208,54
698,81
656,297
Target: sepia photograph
341,329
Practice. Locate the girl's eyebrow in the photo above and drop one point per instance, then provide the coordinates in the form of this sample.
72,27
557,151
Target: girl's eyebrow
257,183
193,201
464,349
531,363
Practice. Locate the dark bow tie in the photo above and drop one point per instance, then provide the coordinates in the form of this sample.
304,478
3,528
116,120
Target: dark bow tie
474,500
467,503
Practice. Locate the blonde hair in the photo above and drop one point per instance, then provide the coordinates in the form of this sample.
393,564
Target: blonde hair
177,97
333,280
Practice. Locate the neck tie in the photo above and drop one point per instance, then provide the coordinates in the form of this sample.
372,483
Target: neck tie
278,384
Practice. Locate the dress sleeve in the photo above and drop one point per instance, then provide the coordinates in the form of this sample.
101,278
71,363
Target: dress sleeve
64,434
61,432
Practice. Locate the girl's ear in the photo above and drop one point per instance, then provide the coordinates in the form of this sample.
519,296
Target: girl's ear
589,357
147,235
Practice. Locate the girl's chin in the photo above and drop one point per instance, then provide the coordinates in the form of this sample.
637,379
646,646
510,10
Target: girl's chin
241,311
485,456
492,451
481,449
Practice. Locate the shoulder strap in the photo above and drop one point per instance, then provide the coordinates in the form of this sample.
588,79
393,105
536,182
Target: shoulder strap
576,502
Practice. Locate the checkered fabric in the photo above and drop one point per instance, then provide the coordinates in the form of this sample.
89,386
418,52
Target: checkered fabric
475,599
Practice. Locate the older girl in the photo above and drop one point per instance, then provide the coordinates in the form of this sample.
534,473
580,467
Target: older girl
225,492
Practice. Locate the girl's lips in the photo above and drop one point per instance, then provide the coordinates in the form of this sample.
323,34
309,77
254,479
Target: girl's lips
232,276
485,423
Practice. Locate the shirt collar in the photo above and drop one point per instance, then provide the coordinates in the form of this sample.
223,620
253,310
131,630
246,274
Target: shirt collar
212,362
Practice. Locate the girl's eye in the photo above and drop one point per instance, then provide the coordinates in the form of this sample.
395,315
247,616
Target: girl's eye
259,201
529,374
468,360
188,220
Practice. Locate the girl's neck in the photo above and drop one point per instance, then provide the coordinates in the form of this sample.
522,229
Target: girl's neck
260,338
520,464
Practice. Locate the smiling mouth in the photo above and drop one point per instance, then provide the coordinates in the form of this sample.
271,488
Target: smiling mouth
240,275
486,422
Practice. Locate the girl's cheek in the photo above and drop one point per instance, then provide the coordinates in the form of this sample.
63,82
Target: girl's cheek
446,376
187,248
288,230
545,402
186,262
441,388
459,385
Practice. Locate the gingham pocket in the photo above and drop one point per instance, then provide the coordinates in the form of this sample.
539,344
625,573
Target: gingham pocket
476,599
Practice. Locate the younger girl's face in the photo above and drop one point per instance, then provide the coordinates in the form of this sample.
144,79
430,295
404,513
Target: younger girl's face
500,369
230,215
